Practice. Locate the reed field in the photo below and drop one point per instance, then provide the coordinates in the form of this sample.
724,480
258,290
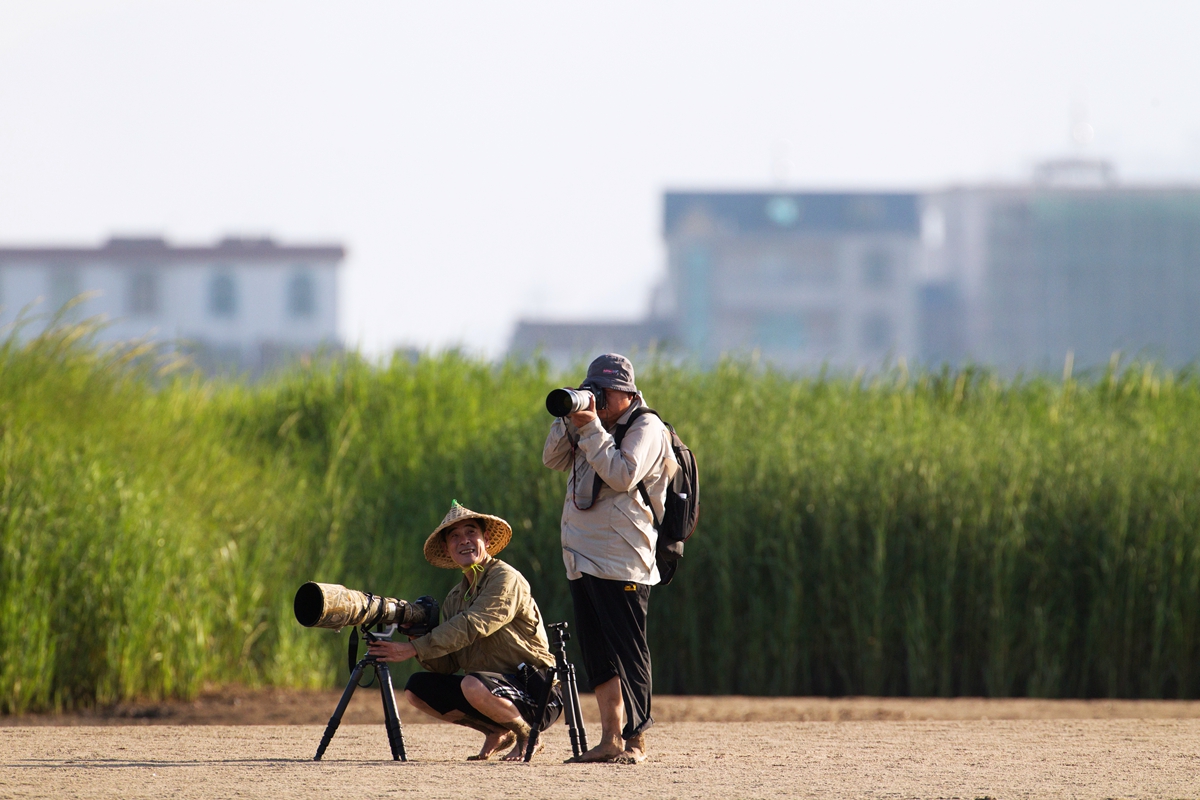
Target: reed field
930,534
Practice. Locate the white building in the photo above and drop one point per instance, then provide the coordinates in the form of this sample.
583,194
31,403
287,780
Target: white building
1030,273
242,304
806,279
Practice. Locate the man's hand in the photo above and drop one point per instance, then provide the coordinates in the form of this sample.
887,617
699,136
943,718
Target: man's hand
581,418
391,651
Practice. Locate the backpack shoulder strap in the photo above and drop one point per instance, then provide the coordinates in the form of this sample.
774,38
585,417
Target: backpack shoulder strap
620,431
649,505
618,436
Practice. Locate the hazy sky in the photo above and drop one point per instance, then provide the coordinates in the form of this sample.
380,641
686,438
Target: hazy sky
484,162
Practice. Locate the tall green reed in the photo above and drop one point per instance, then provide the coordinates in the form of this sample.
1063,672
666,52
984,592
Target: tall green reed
141,549
939,534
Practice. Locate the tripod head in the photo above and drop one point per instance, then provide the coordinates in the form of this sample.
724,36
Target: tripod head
382,633
559,643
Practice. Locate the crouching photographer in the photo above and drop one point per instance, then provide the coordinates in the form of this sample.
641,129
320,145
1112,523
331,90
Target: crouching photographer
492,631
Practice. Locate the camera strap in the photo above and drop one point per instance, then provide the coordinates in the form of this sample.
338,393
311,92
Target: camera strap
352,655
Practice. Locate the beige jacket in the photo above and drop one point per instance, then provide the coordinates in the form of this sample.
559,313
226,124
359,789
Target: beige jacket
497,631
615,537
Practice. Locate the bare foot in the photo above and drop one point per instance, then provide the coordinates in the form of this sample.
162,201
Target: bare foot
518,752
519,728
494,742
635,750
605,751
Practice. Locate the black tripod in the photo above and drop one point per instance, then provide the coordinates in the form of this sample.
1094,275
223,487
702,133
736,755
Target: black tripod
391,717
564,671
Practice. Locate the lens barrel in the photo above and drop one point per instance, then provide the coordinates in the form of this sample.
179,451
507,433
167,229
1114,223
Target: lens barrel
331,605
562,402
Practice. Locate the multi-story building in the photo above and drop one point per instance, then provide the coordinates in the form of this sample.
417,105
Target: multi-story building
570,344
804,279
242,304
1029,274
1014,277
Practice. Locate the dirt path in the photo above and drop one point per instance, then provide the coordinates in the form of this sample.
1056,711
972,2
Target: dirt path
931,758
247,743
234,706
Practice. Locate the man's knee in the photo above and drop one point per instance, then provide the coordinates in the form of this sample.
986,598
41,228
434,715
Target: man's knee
474,690
413,700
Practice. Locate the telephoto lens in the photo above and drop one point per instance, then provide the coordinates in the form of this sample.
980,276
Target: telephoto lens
562,402
333,606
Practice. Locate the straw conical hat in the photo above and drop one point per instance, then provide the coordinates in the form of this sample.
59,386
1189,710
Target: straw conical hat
496,535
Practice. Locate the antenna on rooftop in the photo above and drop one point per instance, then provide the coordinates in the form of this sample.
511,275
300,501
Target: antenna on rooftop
1081,170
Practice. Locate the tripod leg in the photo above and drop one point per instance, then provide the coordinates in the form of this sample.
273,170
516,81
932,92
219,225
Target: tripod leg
570,712
531,747
536,730
336,719
572,698
391,717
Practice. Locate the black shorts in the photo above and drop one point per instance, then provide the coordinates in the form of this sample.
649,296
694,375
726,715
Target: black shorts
443,693
610,618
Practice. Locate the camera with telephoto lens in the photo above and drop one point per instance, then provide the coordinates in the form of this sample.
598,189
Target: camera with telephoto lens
330,605
562,402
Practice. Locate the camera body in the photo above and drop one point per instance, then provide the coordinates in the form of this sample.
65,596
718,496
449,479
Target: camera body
562,402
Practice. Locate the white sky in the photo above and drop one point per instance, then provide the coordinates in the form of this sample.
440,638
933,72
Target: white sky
484,162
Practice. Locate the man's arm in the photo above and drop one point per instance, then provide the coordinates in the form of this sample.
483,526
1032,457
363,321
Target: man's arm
389,651
495,607
641,449
557,452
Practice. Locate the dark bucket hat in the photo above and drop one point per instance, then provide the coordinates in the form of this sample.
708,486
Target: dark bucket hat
611,371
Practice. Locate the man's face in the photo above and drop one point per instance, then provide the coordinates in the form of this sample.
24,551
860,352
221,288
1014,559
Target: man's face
465,543
617,403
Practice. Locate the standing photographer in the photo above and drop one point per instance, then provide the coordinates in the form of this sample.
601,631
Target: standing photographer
608,540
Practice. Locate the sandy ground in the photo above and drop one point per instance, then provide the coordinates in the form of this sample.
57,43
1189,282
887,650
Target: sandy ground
702,747
240,706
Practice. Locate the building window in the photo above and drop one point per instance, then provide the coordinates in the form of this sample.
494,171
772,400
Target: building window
876,332
783,211
301,295
877,269
823,328
782,331
222,295
810,263
63,287
867,210
814,329
143,294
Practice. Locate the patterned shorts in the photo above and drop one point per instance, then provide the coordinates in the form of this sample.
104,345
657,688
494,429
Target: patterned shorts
443,693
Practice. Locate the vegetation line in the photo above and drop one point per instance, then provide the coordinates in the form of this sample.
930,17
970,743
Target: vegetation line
930,534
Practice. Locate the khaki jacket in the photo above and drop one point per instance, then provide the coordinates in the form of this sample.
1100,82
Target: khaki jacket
497,631
615,537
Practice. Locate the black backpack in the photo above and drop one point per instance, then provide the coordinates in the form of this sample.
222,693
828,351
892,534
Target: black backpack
681,510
